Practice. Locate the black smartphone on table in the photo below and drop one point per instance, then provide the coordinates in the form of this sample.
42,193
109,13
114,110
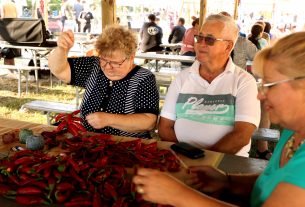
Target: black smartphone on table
187,150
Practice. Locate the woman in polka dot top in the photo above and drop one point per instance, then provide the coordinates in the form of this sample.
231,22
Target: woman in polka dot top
120,97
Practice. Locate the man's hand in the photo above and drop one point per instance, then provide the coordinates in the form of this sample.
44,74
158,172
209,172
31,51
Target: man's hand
207,179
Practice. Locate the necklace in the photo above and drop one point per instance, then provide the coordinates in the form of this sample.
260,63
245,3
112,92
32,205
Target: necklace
289,146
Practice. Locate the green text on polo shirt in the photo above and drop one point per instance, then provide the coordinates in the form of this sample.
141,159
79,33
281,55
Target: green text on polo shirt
211,109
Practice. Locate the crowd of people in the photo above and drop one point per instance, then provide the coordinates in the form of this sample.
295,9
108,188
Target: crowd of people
78,15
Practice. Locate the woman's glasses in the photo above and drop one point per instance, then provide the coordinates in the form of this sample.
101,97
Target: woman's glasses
209,40
112,64
263,87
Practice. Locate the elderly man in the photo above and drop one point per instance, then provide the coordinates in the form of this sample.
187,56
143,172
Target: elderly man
213,103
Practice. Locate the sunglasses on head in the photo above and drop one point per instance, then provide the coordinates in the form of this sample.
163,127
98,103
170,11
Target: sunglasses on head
209,40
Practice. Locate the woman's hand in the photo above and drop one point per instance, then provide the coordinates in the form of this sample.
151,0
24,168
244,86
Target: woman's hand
99,120
157,187
66,40
207,179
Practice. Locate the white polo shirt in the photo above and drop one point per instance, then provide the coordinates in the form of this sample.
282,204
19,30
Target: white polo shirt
205,112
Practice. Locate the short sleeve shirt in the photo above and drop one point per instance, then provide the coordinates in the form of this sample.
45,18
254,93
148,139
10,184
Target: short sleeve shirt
205,112
136,93
293,172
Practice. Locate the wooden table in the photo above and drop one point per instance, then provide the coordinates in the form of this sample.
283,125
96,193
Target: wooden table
225,162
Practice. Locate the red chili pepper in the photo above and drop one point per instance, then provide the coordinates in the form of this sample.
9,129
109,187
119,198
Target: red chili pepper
142,158
81,197
14,179
78,204
73,164
27,170
76,119
46,165
61,197
76,177
84,167
42,185
75,112
60,117
6,190
119,202
57,174
24,161
31,200
46,173
73,130
51,184
121,171
98,149
101,162
97,201
64,186
29,190
22,153
110,189
79,126
61,126
152,147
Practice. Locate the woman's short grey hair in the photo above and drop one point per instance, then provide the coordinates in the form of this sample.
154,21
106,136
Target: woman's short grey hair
116,38
230,30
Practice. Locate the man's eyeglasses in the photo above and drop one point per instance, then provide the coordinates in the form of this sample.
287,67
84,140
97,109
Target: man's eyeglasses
263,87
209,40
113,64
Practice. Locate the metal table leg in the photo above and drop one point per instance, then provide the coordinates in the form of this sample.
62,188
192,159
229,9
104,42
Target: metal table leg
26,81
19,82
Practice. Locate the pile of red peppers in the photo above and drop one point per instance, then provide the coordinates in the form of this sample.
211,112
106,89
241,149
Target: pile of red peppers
94,170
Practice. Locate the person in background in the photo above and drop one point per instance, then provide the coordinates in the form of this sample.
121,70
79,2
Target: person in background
256,37
87,16
120,97
267,30
187,48
262,151
265,35
78,8
118,20
151,35
9,10
282,183
208,105
63,11
178,32
188,39
244,51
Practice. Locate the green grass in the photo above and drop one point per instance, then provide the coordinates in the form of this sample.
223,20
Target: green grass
10,103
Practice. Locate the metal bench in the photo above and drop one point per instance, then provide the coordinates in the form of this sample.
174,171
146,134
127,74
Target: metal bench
20,69
266,134
50,108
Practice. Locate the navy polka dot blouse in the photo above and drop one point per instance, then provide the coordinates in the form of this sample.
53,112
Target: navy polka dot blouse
136,93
